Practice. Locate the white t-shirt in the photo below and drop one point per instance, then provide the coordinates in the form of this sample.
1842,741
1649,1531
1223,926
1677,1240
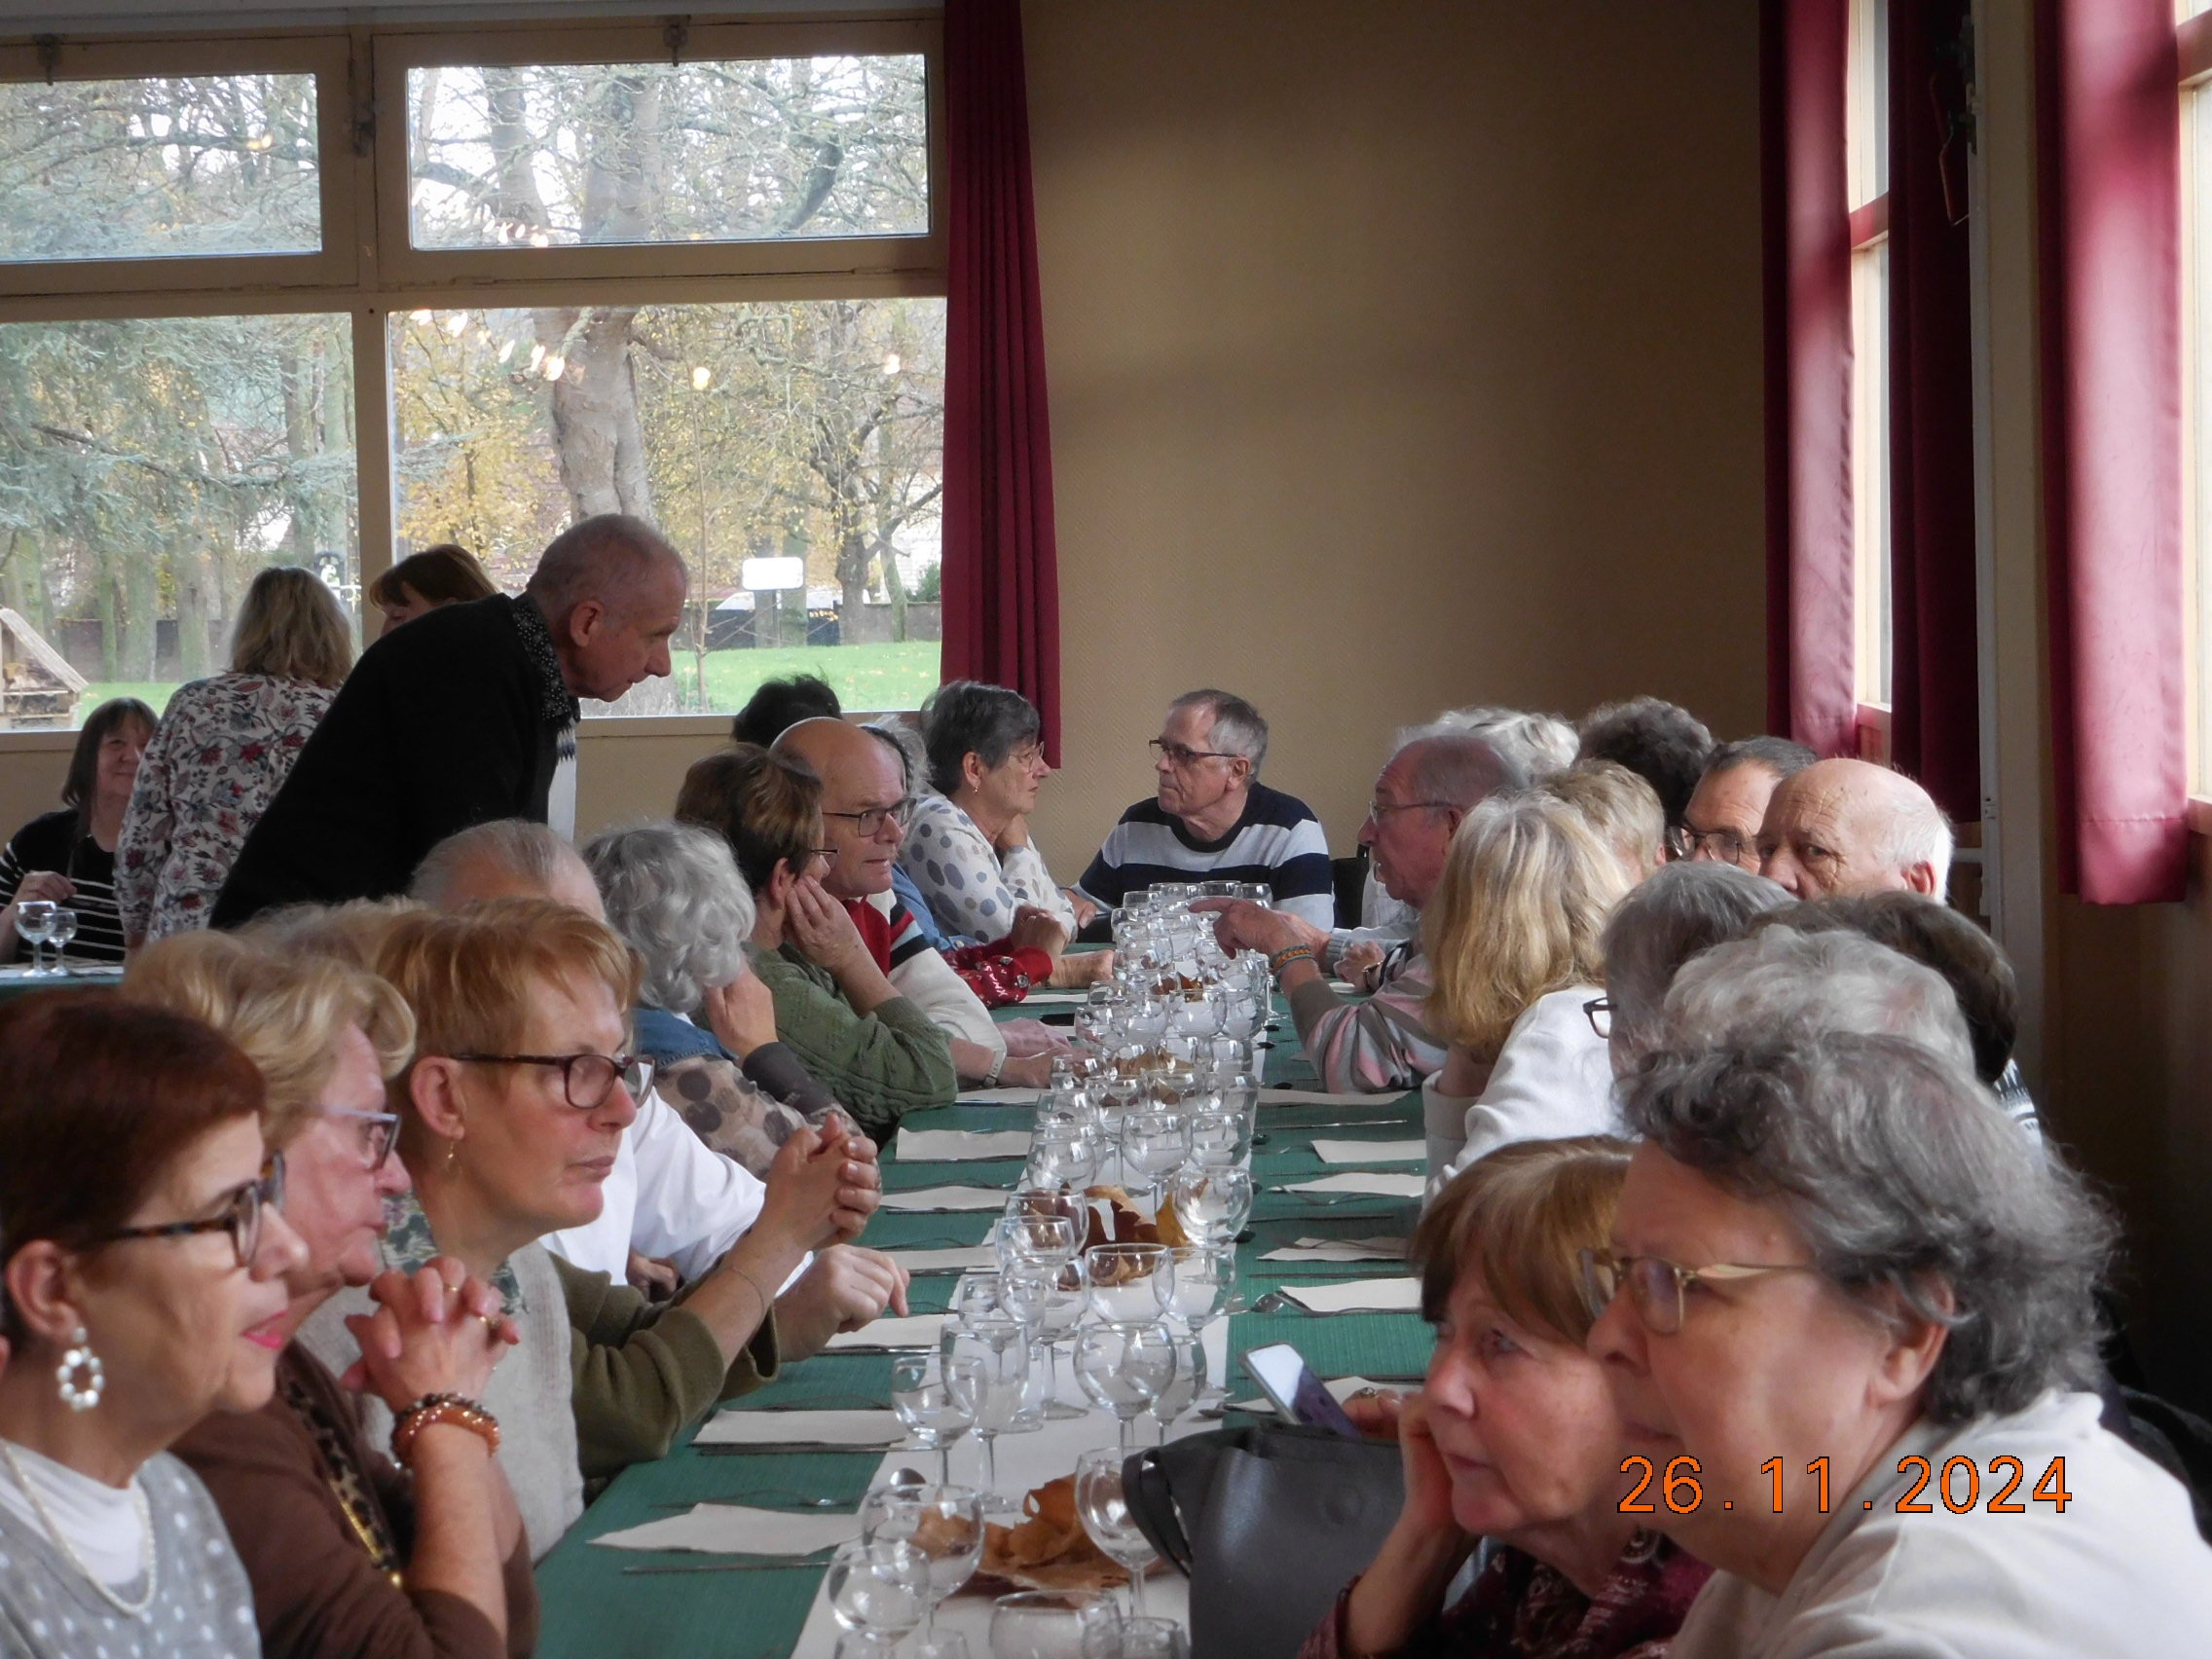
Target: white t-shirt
1553,1078
2122,1575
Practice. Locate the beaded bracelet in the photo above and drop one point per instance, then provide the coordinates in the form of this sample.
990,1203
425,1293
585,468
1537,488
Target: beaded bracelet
456,1408
1288,954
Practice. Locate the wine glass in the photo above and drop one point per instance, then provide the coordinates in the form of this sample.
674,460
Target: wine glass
1062,1153
877,1593
64,929
991,1391
1121,1281
1187,1385
1124,1368
1140,1638
1068,1301
34,922
1052,1624
1104,1510
1219,1140
922,1394
1198,1289
945,1523
975,1295
1154,1140
1034,1238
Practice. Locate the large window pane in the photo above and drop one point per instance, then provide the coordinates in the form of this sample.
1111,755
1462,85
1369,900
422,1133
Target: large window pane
148,468
743,150
792,451
196,165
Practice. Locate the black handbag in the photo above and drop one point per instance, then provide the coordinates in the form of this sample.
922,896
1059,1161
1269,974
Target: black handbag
1269,1524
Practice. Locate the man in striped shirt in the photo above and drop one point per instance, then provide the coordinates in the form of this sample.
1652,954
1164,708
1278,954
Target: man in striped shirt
1212,819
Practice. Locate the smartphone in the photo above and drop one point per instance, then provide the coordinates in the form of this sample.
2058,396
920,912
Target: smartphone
1284,1377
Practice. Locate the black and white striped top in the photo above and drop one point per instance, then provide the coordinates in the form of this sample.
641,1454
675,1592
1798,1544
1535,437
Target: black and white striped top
52,841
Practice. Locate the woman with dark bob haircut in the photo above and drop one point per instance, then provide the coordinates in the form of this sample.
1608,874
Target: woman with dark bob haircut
68,856
1856,1306
145,1261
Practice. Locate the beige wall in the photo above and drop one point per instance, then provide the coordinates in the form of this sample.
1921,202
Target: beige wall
1401,356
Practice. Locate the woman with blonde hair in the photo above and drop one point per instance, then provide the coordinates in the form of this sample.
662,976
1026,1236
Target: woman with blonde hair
318,1514
1513,935
223,748
1514,1439
1621,807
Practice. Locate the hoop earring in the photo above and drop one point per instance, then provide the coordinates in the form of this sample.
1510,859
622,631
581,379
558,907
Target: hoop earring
85,1395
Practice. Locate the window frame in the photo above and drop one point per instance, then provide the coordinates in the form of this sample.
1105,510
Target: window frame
1867,170
367,270
2194,43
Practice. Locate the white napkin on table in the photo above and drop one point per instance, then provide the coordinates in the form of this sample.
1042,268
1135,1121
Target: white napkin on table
955,1259
922,1199
1377,1183
922,1146
916,1331
1383,1296
1318,1097
737,1426
1370,1152
1000,1096
730,1528
1380,1248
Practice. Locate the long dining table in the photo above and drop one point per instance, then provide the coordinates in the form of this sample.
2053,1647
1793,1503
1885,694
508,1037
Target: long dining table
599,1600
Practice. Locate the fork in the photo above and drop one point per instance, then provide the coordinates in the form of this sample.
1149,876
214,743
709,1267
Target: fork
1276,1302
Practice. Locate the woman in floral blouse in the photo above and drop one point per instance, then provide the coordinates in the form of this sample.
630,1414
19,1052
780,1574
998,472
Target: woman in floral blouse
223,750
1514,1439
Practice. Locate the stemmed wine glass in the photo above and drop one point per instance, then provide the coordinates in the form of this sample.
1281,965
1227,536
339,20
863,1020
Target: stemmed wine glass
34,922
1124,1368
1154,1140
64,929
877,1592
923,1394
1104,1510
1213,1202
1121,1281
1188,1383
945,1523
991,1389
1052,1624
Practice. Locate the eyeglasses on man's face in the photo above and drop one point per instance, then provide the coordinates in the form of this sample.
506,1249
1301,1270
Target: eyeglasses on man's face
869,823
1657,1287
379,1131
1182,756
1713,846
586,1079
240,1217
1378,810
1599,1012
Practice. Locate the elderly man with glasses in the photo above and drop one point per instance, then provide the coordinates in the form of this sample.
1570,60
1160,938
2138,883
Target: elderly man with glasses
1212,819
1721,823
1383,1044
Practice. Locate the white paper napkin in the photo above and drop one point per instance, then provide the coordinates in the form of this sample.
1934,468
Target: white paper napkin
729,1529
737,1426
922,1199
1000,1096
1370,1152
955,1259
1383,1296
922,1146
1375,1182
1380,1248
917,1331
1319,1097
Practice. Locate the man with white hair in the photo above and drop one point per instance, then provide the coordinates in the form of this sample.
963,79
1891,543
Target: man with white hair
1383,1044
1212,819
671,1196
461,718
1840,827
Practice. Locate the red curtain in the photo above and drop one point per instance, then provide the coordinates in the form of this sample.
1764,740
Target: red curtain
1001,584
2109,152
1810,690
1935,681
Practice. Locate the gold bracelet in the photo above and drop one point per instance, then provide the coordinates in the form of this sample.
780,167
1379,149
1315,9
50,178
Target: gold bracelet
456,1408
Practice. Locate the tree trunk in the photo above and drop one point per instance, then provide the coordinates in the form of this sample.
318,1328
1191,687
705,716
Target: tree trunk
894,585
140,642
597,438
198,602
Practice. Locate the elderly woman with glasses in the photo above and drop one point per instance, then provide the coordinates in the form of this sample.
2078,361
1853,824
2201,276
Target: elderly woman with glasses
1513,1439
1849,1320
317,1514
510,1113
145,1269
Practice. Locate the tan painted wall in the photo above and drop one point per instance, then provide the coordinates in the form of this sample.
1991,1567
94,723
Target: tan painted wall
1402,355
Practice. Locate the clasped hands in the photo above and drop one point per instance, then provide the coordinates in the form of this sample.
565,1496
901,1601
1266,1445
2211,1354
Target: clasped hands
438,1330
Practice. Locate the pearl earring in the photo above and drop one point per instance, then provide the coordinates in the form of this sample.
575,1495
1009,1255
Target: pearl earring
80,1396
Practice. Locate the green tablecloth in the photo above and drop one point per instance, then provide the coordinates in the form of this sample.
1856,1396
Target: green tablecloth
592,1608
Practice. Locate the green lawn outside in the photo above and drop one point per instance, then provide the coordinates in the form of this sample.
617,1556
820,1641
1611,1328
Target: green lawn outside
866,677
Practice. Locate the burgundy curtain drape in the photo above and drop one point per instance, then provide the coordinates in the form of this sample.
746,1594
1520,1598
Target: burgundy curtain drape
1935,681
1001,584
1810,692
2109,152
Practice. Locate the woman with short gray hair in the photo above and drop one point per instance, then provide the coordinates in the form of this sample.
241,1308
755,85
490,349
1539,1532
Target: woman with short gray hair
674,893
1679,911
1848,1317
968,847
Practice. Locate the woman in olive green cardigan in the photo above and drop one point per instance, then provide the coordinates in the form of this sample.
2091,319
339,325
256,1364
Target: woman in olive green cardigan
874,1049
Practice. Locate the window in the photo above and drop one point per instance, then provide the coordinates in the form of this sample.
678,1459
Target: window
1867,168
251,312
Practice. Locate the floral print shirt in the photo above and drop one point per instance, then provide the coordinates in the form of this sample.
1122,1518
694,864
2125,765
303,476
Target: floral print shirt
222,751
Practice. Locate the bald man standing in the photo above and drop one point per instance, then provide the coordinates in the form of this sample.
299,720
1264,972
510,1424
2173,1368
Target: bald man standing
458,719
1840,827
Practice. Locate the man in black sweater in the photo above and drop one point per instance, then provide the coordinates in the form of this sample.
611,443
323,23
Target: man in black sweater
456,718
